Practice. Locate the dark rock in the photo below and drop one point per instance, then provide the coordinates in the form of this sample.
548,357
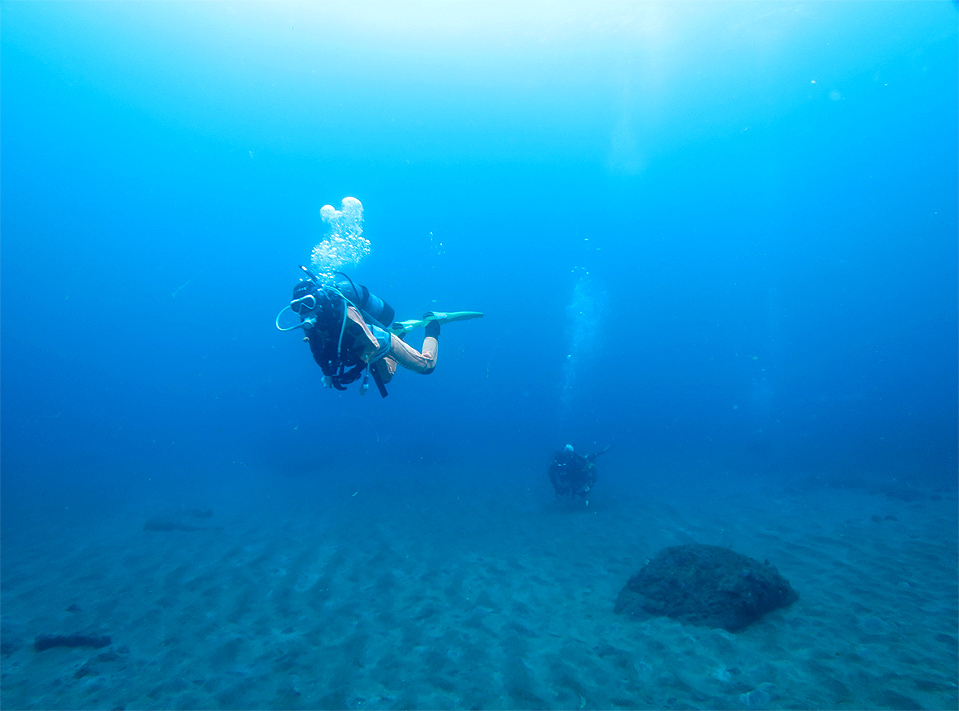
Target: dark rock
707,586
73,608
46,641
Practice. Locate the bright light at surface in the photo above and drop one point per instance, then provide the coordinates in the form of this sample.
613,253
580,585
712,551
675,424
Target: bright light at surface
614,83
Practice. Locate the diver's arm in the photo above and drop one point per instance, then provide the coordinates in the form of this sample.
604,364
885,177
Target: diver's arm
591,457
361,334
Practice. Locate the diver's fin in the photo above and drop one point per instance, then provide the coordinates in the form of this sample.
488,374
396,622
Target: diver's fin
451,316
401,327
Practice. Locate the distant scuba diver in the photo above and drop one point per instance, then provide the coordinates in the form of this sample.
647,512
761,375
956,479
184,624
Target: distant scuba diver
572,474
351,330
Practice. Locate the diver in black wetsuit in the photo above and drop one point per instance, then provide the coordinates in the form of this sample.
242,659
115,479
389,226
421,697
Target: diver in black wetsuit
350,331
572,474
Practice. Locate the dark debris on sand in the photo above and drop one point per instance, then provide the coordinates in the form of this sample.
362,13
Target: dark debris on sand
183,520
48,641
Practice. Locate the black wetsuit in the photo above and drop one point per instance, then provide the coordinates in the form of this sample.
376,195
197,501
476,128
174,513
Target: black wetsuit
572,474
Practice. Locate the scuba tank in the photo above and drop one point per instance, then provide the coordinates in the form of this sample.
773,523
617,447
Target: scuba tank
374,309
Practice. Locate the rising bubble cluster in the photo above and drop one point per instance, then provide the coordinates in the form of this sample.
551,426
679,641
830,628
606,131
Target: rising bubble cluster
344,245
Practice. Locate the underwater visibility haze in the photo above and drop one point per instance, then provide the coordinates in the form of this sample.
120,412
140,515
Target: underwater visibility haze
719,239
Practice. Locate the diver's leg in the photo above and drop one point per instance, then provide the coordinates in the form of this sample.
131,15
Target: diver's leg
419,362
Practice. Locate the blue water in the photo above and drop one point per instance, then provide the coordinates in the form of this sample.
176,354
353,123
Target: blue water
721,234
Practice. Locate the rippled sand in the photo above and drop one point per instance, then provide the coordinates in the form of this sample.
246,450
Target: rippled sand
426,593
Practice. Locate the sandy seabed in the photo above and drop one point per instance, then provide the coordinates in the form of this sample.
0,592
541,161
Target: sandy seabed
431,593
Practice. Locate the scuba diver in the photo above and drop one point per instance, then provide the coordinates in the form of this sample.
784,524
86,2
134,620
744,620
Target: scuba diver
351,330
572,474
